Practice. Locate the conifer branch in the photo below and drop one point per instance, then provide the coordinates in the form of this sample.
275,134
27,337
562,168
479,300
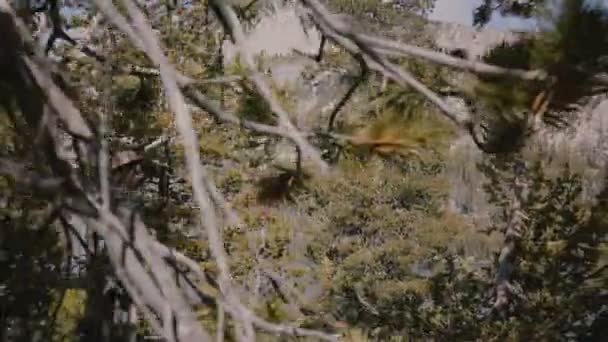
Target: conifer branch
326,20
374,51
141,35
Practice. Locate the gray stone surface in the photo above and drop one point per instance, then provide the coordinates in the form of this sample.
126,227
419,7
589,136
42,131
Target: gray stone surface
277,33
451,36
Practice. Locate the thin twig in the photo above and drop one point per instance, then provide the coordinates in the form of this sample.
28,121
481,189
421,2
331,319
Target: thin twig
513,233
186,130
374,56
231,24
391,47
104,155
220,323
143,34
349,93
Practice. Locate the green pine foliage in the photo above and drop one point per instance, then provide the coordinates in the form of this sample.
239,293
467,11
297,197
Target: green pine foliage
557,254
381,10
372,251
30,265
523,8
570,47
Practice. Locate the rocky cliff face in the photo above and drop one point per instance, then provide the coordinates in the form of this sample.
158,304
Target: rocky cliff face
475,43
582,145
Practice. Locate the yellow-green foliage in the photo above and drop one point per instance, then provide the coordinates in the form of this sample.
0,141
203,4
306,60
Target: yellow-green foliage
365,230
350,6
214,145
253,106
395,132
378,8
403,121
69,310
126,87
561,244
369,250
7,132
381,226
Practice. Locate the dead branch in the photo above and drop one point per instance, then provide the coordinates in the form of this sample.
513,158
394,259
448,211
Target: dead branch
400,49
374,51
188,86
363,72
143,33
513,233
231,24
395,48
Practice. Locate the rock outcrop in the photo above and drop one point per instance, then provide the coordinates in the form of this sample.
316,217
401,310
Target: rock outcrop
451,37
582,145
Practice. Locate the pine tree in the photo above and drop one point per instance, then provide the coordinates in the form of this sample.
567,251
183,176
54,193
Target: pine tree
571,48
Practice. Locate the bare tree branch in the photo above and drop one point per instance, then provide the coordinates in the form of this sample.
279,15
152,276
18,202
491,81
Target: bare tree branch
357,45
349,93
231,24
144,35
130,251
391,47
196,170
104,124
62,104
285,128
513,234
401,49
220,323
140,263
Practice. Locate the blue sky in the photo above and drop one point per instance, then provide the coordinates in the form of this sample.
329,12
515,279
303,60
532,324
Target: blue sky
461,11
